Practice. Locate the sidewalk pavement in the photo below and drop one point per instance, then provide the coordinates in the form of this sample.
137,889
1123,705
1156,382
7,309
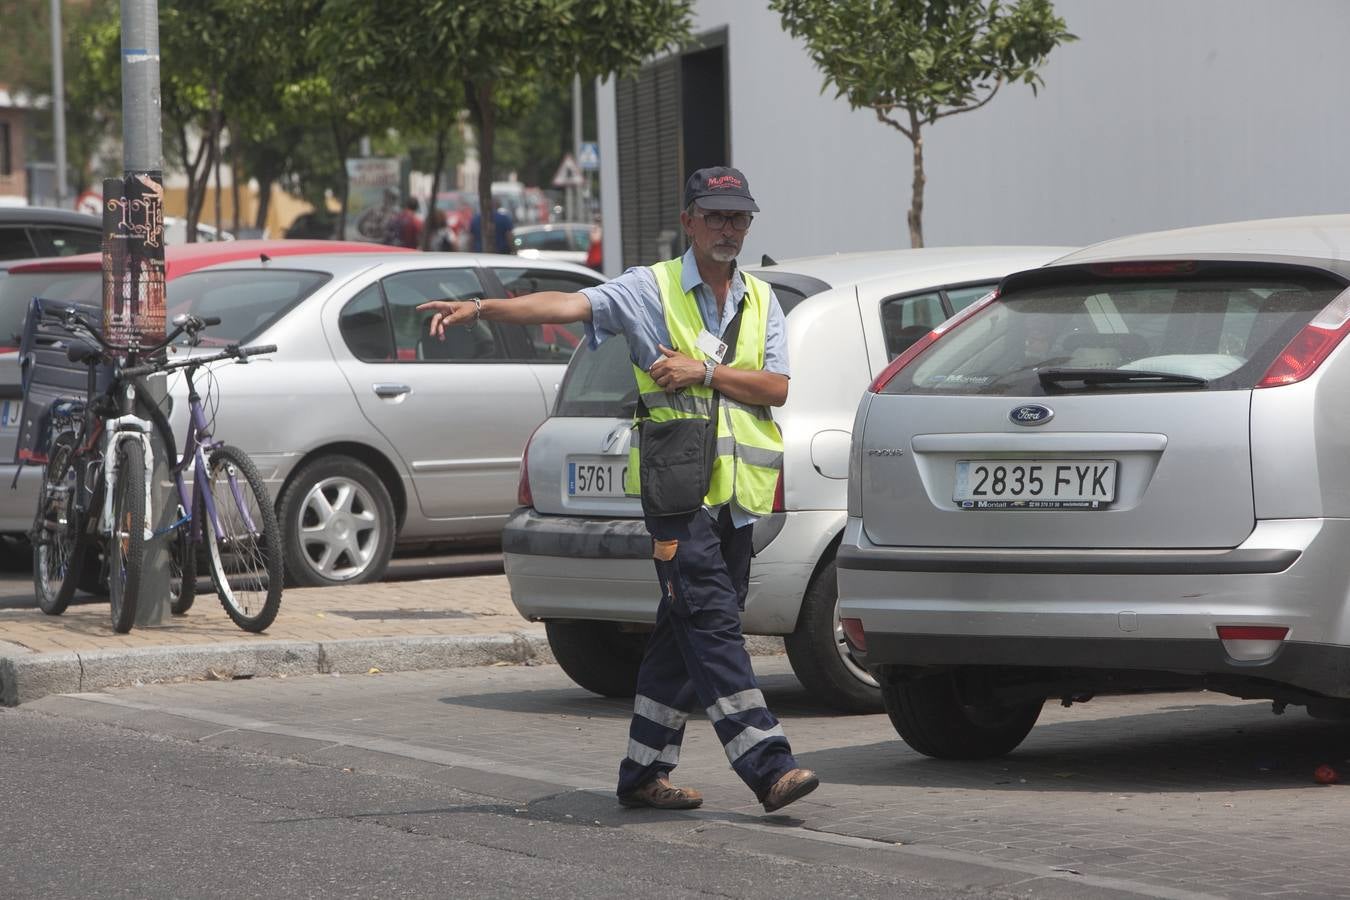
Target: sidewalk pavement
433,623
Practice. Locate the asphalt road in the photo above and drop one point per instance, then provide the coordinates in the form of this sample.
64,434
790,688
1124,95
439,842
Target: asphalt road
92,811
498,781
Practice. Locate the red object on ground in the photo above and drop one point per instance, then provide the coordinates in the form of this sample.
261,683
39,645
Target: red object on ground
1325,774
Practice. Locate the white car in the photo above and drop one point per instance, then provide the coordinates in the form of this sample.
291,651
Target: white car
578,555
562,241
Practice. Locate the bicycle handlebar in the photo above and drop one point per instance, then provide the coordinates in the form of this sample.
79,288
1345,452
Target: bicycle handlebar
233,351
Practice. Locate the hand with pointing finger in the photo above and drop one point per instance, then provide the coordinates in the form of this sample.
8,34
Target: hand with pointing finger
675,371
447,313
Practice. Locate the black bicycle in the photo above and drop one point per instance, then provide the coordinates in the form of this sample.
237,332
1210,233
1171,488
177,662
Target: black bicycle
228,514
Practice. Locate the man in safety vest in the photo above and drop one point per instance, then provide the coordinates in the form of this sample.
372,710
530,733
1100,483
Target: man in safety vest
675,315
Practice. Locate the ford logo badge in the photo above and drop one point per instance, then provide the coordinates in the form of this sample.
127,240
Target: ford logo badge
1031,414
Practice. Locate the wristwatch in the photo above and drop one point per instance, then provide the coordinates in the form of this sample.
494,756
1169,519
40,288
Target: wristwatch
708,366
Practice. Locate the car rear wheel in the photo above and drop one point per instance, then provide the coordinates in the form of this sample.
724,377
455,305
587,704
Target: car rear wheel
598,655
931,717
337,524
819,655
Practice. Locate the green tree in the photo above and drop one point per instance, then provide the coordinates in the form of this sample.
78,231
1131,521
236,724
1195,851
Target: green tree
496,51
914,62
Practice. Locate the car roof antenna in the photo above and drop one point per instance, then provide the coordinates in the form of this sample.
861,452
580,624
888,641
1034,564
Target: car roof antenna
768,260
264,257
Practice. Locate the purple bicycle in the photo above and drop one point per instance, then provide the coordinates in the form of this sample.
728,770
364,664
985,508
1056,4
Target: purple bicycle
226,518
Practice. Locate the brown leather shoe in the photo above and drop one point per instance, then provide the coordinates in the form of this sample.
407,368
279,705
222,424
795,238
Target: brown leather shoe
659,793
793,786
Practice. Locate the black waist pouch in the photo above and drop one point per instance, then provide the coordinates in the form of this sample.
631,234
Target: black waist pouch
676,464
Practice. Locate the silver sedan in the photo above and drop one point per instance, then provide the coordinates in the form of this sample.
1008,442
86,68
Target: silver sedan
368,432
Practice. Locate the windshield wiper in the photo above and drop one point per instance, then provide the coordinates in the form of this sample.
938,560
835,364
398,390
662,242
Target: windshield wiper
1093,378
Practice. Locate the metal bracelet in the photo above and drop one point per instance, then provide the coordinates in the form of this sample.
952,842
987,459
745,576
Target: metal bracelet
477,313
708,367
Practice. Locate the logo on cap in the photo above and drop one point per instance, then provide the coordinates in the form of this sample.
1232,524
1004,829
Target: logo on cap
724,181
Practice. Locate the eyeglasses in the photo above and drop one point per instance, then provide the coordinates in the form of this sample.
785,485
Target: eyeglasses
716,221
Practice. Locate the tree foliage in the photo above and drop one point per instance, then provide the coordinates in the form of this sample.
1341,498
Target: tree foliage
493,53
913,62
296,83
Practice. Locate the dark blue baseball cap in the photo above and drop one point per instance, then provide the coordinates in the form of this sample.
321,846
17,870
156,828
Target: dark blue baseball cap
719,187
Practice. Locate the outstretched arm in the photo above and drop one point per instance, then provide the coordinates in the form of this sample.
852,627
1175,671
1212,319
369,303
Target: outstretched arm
554,307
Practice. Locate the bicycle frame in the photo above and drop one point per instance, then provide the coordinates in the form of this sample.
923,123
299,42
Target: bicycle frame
198,443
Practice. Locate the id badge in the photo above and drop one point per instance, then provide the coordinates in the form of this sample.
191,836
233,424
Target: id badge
712,346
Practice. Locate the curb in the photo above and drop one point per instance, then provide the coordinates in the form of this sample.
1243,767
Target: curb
27,676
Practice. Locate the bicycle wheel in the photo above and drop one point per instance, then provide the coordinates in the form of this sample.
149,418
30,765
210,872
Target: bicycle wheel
126,545
58,536
244,554
182,570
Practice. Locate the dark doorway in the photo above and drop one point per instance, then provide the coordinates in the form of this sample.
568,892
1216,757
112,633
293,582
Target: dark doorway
703,95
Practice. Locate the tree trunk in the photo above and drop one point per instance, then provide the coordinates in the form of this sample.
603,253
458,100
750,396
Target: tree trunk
234,186
483,110
916,201
264,202
341,144
427,234
218,154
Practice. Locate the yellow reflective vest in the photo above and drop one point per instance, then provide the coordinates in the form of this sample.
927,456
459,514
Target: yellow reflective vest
749,444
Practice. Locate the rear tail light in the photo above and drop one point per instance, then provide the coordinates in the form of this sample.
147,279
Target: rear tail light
1301,356
854,634
779,503
1246,643
912,352
523,495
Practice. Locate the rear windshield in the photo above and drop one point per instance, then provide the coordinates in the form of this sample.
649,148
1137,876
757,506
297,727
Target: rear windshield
1210,333
18,290
600,384
246,300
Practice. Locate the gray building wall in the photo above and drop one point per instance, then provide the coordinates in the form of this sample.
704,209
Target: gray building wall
1165,113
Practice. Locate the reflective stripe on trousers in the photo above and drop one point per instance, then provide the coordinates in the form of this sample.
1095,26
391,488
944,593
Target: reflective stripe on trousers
696,657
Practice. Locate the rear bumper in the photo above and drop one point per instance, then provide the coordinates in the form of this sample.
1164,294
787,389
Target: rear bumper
572,567
18,505
1127,610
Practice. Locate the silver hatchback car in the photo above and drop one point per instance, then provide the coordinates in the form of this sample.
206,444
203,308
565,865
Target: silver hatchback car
578,555
1128,471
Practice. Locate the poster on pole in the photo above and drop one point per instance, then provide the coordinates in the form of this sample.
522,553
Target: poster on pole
373,195
133,259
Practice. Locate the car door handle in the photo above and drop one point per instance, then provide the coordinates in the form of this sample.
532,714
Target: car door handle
389,391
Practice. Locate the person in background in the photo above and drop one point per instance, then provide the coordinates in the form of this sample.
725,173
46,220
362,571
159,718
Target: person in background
440,239
501,226
595,250
405,229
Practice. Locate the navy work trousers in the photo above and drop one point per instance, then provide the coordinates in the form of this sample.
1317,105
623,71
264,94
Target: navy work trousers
696,657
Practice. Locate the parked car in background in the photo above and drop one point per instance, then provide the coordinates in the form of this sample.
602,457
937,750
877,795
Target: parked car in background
1127,472
176,232
314,225
567,241
577,553
35,231
80,280
458,208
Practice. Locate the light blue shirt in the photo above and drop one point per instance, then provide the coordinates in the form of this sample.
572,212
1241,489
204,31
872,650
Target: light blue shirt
631,305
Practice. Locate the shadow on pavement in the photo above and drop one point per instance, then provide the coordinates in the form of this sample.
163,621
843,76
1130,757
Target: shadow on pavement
784,694
1186,749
